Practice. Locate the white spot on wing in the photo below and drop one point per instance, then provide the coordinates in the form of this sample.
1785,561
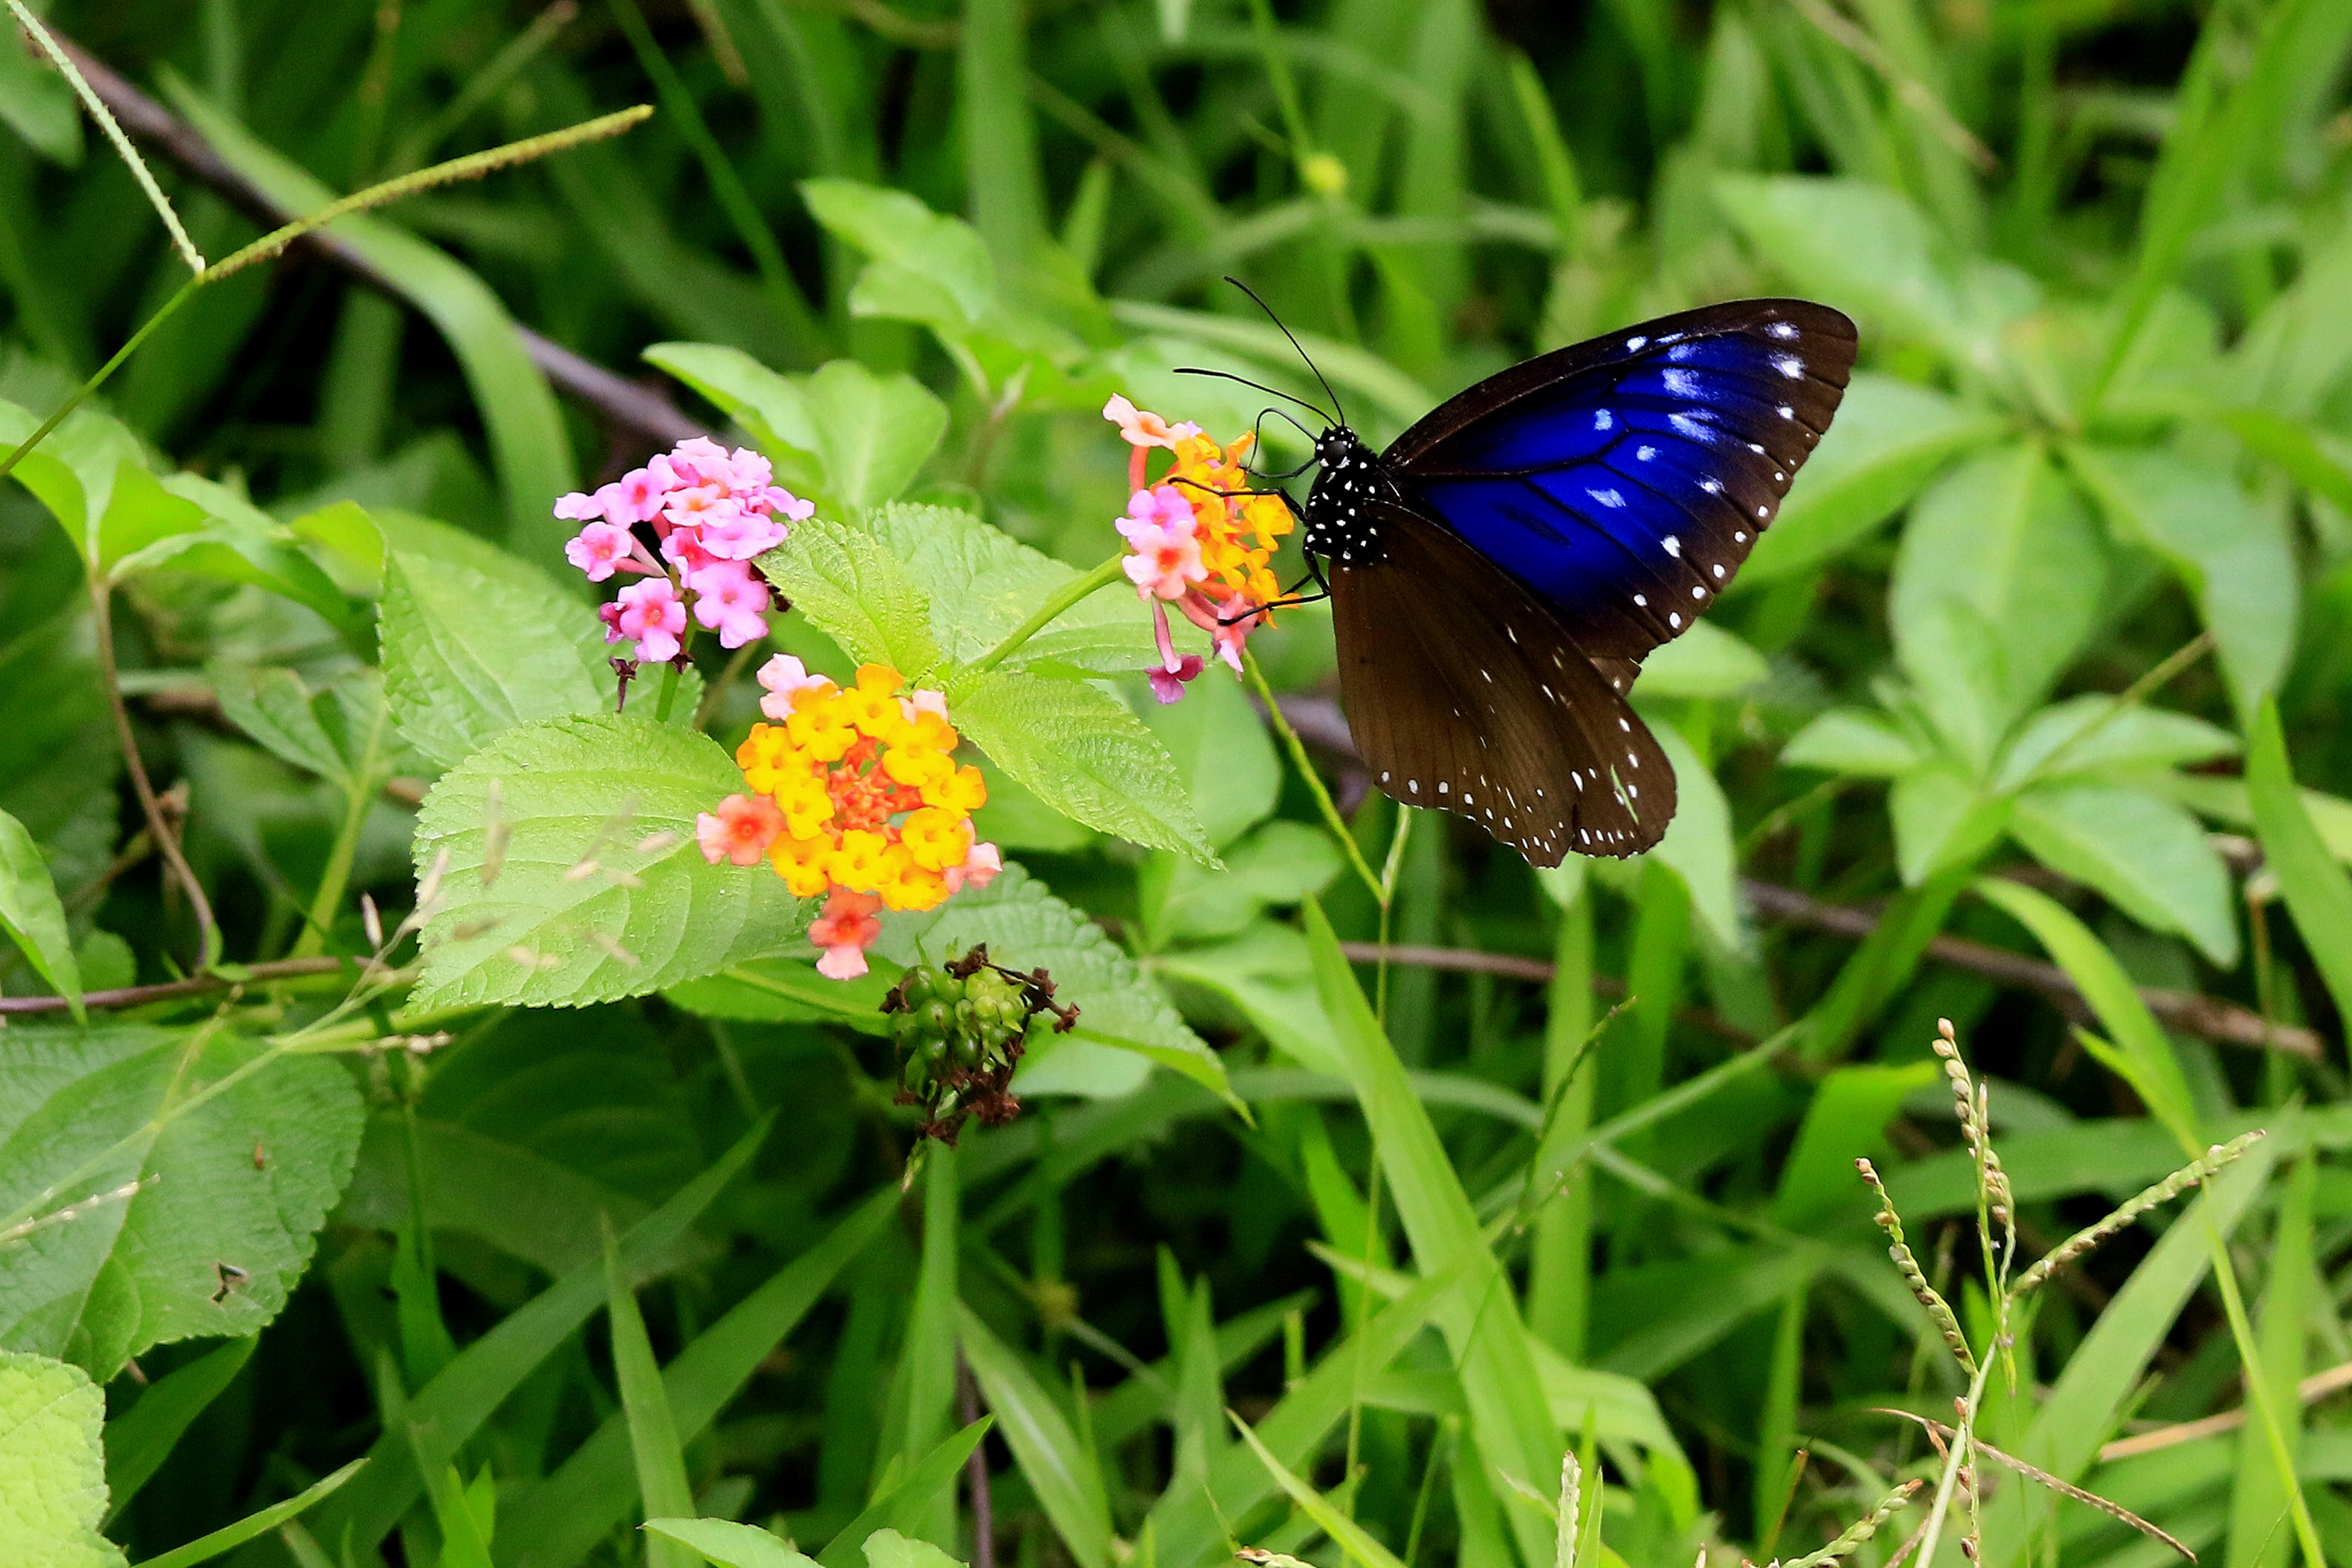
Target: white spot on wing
1672,546
1790,366
1611,497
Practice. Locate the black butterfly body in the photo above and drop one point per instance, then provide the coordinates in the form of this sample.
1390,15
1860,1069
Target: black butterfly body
1498,574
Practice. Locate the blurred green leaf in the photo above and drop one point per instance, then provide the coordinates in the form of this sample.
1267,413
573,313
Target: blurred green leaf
1845,1122
572,873
1890,439
2229,550
2006,536
873,433
1223,753
927,267
2146,855
2090,734
2154,1067
1705,662
1863,248
1280,863
1854,741
1699,842
52,1473
1942,818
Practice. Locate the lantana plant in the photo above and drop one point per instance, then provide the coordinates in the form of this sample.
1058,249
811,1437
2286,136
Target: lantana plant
854,797
711,512
1202,537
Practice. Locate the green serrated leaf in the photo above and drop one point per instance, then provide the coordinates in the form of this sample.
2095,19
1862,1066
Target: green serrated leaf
981,583
1025,926
572,875
141,1238
874,433
52,1471
31,914
1078,749
467,653
848,585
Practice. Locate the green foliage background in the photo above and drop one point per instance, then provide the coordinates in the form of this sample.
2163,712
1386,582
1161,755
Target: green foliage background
2026,713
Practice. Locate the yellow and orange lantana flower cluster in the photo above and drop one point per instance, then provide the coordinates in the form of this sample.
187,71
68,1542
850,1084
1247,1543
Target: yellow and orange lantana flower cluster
1198,542
855,796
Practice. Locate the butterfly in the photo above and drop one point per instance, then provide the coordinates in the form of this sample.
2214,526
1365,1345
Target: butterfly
1498,574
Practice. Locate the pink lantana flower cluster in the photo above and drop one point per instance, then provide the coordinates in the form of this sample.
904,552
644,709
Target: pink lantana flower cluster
1198,541
711,512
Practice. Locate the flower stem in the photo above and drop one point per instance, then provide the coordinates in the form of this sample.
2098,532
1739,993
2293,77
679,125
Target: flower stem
1069,593
668,693
1323,800
97,379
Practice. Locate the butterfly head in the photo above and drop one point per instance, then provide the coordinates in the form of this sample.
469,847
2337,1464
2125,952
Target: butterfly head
1342,523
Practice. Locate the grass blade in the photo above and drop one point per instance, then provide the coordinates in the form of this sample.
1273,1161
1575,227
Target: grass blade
929,1479
1060,1469
204,1549
644,1403
2318,893
453,1406
1480,1315
561,1522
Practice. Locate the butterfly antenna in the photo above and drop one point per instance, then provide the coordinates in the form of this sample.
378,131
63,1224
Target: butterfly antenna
1287,332
1261,387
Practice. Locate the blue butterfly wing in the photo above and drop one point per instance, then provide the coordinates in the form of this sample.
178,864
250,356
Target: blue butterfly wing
1624,480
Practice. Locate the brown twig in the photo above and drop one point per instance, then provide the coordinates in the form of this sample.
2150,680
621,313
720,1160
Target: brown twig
2206,1016
101,599
983,1511
619,402
194,986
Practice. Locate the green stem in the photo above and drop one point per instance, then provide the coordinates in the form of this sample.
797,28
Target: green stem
335,881
2258,1391
1323,800
668,693
97,379
1069,593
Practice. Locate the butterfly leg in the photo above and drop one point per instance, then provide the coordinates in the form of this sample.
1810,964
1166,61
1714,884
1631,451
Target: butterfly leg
1291,598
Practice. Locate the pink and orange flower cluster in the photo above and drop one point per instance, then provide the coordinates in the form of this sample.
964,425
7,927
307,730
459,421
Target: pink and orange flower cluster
853,795
711,512
1198,541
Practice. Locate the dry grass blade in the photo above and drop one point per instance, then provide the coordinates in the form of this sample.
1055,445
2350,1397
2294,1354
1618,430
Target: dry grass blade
2115,1511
